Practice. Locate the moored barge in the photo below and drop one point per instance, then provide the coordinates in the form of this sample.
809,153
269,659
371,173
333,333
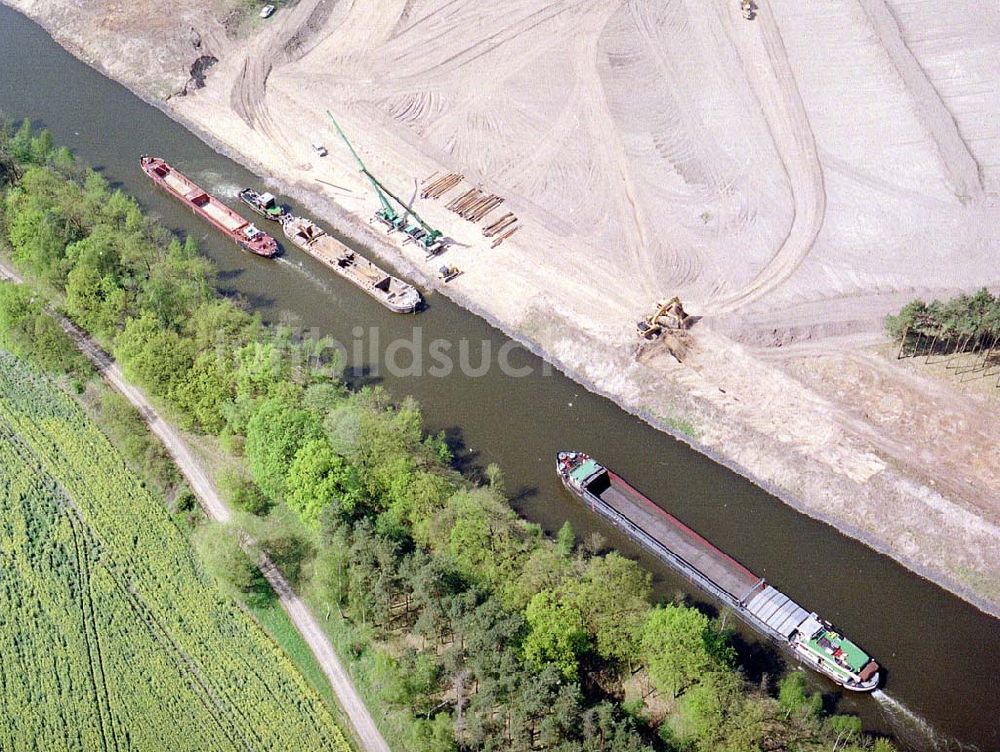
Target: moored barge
231,224
813,641
393,293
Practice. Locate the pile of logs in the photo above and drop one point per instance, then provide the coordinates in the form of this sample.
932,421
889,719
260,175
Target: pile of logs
472,205
499,239
500,225
441,185
502,229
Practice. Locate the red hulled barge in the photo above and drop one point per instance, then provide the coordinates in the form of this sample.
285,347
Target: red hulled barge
185,190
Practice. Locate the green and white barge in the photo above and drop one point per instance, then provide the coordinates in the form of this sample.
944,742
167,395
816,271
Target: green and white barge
811,640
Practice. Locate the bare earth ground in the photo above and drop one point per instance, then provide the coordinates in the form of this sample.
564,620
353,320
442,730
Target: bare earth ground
793,179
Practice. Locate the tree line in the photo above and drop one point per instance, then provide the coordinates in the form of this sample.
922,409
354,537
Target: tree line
473,629
963,324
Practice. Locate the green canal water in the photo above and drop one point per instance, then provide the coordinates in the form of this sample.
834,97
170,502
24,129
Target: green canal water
942,688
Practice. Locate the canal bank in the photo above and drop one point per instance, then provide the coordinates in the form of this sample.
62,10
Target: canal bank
827,425
934,646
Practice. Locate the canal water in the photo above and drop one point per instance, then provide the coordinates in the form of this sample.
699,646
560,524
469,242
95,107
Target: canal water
942,689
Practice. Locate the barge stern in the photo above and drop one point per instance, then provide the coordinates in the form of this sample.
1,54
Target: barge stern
395,294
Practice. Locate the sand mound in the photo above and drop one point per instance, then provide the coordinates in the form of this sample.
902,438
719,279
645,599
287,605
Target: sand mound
809,154
821,151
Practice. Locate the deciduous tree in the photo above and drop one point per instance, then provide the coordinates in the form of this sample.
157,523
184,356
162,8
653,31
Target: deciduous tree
556,634
275,432
157,358
613,596
673,645
318,477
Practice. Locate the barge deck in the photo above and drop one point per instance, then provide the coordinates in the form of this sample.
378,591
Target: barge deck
811,640
395,294
670,533
208,207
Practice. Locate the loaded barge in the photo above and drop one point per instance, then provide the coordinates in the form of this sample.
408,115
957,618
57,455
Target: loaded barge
812,641
185,190
393,293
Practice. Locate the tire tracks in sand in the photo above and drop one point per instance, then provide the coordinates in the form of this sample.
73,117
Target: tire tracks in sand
286,41
769,73
958,163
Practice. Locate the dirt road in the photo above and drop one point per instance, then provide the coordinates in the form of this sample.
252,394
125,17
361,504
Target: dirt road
769,73
218,510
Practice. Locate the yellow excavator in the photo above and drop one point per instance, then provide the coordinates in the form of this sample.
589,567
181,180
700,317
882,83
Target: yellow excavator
669,314
749,9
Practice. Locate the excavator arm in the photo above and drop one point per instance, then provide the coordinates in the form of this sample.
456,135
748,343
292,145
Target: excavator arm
669,314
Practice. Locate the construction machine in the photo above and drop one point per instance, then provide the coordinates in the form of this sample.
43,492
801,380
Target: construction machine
421,232
749,9
448,273
669,314
664,331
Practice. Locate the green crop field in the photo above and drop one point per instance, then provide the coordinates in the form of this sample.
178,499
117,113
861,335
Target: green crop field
110,635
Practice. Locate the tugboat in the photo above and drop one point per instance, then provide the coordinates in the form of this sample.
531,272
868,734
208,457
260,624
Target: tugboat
393,293
185,190
812,641
265,204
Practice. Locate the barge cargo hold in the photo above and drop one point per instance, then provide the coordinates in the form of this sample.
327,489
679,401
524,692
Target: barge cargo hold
185,190
813,642
393,293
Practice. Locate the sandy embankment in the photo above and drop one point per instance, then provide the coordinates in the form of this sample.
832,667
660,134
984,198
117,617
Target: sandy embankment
793,179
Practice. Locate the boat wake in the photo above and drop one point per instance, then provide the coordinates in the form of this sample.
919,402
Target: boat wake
220,187
912,731
301,269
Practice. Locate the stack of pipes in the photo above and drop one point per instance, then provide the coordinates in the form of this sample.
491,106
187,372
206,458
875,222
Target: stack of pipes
441,185
500,225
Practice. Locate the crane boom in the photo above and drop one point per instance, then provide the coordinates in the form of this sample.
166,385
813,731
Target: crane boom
388,213
344,137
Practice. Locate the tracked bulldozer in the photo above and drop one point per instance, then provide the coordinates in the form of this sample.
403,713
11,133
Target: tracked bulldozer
669,314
